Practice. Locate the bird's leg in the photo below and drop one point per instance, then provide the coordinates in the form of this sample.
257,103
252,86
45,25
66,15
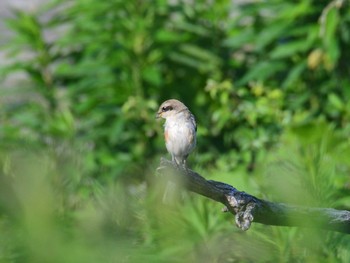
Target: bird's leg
173,159
175,162
184,165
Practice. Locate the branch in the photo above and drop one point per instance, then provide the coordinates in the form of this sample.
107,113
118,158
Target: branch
247,208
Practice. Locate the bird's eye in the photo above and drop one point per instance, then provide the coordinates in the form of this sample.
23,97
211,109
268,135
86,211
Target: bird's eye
167,108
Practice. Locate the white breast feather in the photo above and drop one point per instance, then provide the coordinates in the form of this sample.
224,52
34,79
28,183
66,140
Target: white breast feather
179,133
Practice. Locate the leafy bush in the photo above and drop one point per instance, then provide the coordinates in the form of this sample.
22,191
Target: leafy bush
268,84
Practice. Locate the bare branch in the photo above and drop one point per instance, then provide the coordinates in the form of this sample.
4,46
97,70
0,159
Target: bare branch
248,208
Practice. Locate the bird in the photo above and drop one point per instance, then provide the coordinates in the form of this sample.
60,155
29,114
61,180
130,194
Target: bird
180,130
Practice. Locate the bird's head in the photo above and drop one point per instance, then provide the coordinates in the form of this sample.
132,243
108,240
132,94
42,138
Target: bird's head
170,108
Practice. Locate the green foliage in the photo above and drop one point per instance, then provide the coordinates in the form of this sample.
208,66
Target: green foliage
267,81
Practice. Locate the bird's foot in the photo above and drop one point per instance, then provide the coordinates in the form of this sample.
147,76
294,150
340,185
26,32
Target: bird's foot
180,166
176,165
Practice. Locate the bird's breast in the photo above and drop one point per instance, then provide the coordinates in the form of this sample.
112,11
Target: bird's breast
180,137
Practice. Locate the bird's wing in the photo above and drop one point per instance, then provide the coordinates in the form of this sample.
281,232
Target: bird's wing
193,120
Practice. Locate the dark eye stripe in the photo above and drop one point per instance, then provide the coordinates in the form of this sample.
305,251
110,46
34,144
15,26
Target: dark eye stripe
167,108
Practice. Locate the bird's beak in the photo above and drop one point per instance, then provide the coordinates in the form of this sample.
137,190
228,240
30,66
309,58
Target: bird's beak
158,115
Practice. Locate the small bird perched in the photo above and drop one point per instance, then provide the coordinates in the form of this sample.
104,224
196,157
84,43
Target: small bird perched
179,130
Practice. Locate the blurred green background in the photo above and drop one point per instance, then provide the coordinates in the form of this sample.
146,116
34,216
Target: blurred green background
81,81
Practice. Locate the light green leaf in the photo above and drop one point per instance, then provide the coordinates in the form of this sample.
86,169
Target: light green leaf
289,49
262,71
335,101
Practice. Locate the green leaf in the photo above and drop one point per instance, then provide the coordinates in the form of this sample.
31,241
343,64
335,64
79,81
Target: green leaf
289,49
166,36
262,71
200,53
330,26
196,57
335,101
192,28
270,34
152,75
294,74
330,39
238,39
